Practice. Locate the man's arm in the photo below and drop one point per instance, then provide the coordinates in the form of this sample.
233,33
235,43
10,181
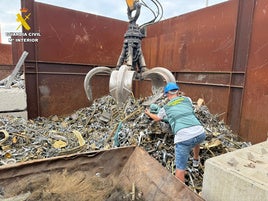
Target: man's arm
153,116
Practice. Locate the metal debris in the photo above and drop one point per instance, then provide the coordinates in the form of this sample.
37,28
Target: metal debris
104,125
16,78
17,81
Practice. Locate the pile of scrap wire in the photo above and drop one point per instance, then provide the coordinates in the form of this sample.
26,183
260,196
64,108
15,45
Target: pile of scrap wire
105,125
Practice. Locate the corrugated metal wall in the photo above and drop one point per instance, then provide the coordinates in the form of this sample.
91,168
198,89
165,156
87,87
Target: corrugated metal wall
217,53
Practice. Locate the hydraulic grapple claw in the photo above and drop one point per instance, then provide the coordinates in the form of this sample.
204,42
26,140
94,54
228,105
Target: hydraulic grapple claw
90,74
159,77
120,86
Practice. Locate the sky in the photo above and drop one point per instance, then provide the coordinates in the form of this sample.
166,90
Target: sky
116,9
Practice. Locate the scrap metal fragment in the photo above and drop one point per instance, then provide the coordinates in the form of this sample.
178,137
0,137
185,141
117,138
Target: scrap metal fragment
16,69
4,136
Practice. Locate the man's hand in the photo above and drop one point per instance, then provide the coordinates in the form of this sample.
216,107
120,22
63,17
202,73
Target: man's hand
153,116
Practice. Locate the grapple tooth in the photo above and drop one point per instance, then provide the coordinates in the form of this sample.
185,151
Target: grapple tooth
121,83
159,76
90,74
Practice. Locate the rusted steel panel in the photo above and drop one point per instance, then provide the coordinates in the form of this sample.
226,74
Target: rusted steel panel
254,122
6,54
240,58
5,70
57,97
31,78
234,109
32,96
199,41
243,34
75,37
30,47
60,89
238,79
6,66
205,78
142,88
215,97
68,37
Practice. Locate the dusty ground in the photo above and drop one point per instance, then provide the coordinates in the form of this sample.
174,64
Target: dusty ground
64,186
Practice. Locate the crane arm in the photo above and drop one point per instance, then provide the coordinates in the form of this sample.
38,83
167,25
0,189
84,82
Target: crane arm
131,4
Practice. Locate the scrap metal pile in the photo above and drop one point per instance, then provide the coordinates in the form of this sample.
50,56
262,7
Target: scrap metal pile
105,125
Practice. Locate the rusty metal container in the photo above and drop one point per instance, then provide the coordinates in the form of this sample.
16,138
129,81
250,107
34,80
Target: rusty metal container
5,54
216,53
100,175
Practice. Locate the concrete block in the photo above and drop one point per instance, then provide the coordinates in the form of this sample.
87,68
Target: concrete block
13,99
22,114
238,175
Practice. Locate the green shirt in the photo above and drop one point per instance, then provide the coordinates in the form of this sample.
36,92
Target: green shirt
180,114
